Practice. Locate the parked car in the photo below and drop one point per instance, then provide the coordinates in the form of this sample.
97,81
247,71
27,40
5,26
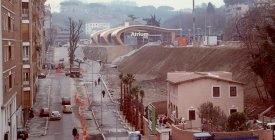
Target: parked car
41,76
44,112
22,133
66,101
67,109
55,115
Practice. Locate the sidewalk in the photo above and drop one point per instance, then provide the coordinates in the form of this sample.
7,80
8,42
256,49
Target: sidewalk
112,126
92,131
38,126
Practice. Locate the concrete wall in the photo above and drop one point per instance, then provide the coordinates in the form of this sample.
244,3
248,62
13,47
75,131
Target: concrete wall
179,134
115,52
106,54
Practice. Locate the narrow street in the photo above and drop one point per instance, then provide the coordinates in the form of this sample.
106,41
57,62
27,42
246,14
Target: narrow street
92,120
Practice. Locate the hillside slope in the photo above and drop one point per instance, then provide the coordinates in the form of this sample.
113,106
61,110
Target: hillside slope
160,60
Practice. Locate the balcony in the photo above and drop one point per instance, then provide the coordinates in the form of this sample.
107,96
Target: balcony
25,13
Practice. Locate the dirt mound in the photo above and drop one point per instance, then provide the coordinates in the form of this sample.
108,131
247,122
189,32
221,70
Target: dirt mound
160,60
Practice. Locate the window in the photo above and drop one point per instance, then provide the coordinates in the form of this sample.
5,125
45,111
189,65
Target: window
233,91
25,51
9,52
25,9
10,81
192,115
9,23
216,91
26,76
233,111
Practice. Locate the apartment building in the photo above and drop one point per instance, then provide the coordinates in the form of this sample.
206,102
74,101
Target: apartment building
32,49
188,90
11,73
92,27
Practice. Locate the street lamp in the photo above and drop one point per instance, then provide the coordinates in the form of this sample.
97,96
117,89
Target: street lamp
189,34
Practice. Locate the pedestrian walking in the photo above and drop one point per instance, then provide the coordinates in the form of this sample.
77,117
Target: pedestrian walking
95,83
75,133
98,80
31,115
103,93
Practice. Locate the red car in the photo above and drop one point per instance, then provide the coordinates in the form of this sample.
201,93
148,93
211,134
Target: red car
44,112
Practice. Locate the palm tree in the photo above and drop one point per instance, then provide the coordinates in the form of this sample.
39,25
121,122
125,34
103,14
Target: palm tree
133,104
142,94
121,91
131,79
125,81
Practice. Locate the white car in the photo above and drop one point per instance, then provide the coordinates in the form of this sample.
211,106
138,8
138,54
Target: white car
55,115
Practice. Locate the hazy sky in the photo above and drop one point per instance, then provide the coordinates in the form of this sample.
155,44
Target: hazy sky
177,4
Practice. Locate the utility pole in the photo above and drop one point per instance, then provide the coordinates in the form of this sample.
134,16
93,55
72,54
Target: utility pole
194,27
101,105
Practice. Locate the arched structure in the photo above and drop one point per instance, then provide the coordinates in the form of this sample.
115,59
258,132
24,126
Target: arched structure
134,35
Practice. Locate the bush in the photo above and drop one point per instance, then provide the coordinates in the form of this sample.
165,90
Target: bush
237,122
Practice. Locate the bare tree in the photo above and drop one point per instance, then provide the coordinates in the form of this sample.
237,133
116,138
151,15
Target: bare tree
256,31
75,31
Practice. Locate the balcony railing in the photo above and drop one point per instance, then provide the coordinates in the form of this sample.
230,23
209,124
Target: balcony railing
26,83
26,57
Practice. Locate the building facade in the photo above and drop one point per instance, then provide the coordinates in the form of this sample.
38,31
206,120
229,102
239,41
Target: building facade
32,49
11,90
188,90
48,27
93,27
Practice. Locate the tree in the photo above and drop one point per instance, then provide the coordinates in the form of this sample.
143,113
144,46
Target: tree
213,115
152,21
75,31
142,94
256,31
132,17
125,81
237,122
210,8
121,91
134,104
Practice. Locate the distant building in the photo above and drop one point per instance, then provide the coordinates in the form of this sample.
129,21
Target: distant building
63,36
236,10
188,90
93,27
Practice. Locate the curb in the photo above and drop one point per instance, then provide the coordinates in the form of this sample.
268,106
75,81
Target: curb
47,121
93,113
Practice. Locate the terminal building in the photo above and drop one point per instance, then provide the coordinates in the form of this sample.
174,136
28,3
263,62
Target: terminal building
134,35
